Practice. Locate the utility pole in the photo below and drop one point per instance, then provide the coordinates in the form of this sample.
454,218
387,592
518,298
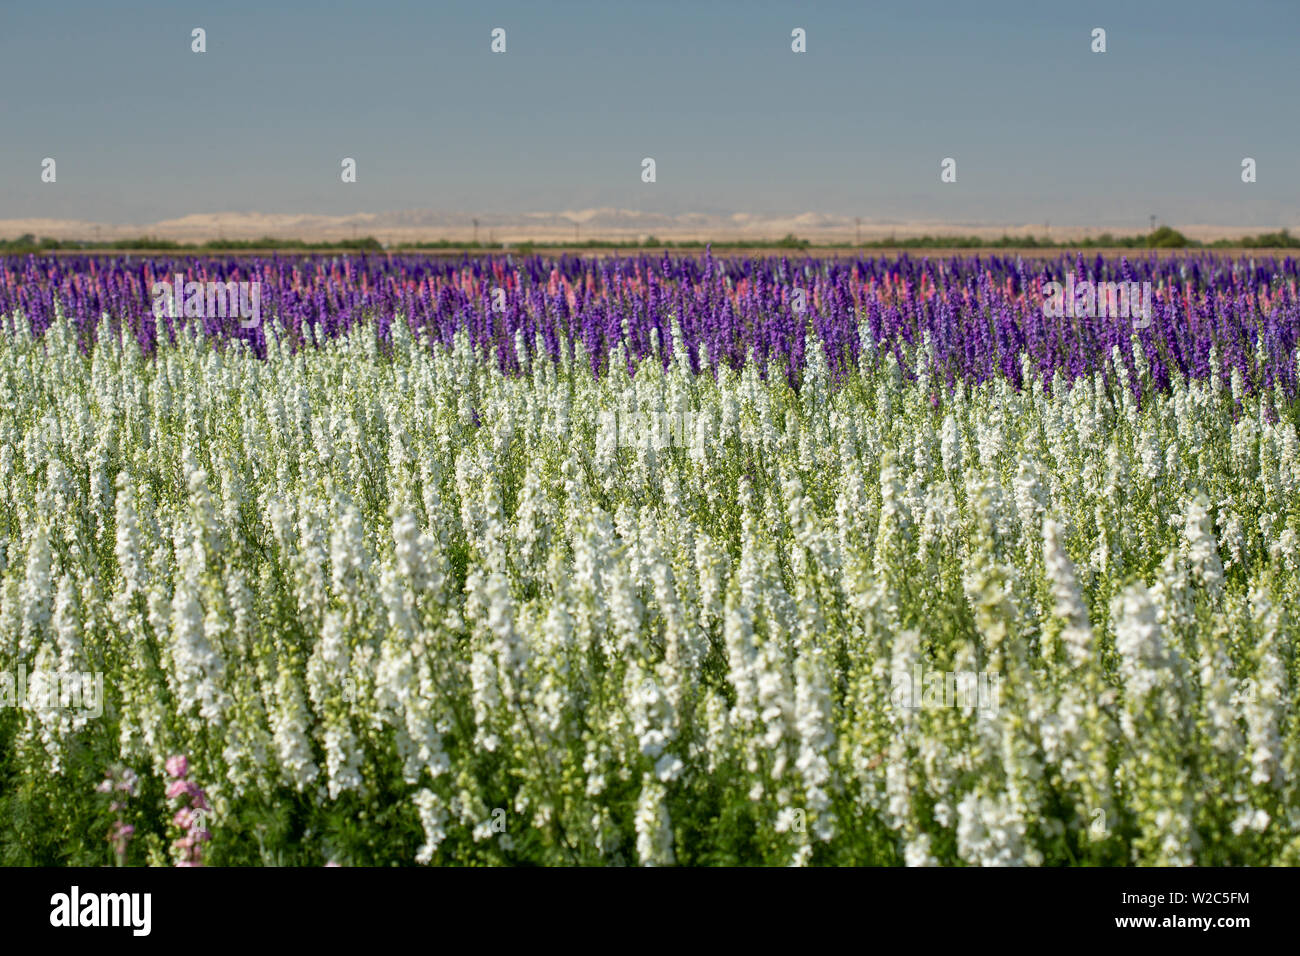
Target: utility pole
858,223
476,232
1153,222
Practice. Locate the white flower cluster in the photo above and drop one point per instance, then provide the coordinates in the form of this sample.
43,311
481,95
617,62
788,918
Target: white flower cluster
378,575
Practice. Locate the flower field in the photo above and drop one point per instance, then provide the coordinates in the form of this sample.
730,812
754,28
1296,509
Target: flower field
650,561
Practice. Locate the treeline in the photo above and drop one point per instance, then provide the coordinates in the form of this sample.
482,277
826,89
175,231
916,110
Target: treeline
29,243
1162,238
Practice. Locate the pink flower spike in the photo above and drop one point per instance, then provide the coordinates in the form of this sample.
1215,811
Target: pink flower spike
182,818
177,788
104,786
177,766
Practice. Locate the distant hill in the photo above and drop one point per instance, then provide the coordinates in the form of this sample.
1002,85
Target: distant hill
606,224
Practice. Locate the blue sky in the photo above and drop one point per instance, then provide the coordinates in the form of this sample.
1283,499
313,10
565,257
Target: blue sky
1042,128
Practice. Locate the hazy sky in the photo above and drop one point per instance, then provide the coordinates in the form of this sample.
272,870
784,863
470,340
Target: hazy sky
1042,128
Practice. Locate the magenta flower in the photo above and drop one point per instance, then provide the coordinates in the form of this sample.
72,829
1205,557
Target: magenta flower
120,782
189,817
